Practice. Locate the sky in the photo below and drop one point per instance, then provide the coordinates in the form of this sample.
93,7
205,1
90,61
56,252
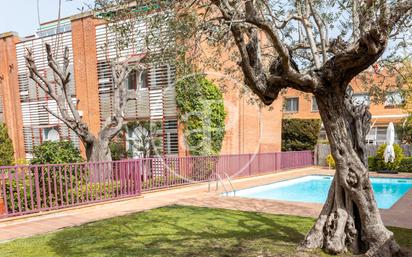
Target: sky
21,15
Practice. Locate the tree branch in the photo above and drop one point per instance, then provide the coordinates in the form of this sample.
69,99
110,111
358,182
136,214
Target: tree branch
266,87
371,44
320,24
62,100
309,34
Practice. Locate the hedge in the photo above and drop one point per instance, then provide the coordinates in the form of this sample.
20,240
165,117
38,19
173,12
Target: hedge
405,165
300,134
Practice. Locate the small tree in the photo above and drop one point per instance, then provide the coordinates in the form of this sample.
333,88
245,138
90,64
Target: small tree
97,146
6,147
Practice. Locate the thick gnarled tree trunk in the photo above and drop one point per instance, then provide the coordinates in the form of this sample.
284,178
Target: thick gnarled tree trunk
350,219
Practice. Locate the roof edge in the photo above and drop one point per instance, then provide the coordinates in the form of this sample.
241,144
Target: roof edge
9,34
82,15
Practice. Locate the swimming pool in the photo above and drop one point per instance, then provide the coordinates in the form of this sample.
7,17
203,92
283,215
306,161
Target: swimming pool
314,189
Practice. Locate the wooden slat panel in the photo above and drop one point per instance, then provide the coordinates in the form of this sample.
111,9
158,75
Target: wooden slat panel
149,103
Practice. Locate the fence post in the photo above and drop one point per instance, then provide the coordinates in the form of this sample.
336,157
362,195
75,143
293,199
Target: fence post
278,161
37,186
2,202
250,164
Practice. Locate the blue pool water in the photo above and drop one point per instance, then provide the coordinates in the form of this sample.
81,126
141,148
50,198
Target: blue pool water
314,189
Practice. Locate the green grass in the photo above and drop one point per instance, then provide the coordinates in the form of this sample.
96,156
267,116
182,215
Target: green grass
177,231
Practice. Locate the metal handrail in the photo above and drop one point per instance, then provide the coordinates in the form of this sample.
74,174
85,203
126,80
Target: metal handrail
230,182
219,178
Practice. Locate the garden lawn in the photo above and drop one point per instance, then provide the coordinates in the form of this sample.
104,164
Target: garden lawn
178,231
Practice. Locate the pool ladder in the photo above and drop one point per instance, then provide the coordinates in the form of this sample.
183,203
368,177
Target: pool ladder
218,179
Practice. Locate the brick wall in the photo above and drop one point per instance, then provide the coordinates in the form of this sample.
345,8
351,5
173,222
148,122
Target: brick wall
85,71
305,107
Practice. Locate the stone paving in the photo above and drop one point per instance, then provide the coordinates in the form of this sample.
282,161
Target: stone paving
196,195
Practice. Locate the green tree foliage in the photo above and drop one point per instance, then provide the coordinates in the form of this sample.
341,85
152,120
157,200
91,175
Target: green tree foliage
300,134
118,150
202,112
58,152
6,147
404,130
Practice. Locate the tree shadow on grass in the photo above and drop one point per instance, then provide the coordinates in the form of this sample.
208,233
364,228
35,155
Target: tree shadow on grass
184,231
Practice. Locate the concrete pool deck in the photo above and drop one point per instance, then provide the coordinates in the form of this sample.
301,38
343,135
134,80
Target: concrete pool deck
195,195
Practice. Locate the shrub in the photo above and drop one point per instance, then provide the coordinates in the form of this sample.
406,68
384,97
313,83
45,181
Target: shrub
6,147
161,181
330,161
380,159
300,134
96,191
372,163
79,192
15,190
203,168
405,165
58,152
118,150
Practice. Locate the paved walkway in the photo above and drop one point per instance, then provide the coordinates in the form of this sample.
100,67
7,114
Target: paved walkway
196,195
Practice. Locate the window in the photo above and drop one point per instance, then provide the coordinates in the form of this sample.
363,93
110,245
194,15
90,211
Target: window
292,104
143,80
361,99
315,107
393,99
137,80
172,140
132,81
50,134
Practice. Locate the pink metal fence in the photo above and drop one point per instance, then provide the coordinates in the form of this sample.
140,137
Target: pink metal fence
36,188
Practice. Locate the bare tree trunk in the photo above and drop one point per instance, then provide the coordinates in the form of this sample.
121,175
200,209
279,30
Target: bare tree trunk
99,155
350,219
98,151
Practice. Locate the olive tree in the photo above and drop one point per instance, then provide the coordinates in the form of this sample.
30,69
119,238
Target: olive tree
96,145
120,66
319,47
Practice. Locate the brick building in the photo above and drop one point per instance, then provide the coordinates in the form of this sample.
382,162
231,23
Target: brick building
297,105
249,129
